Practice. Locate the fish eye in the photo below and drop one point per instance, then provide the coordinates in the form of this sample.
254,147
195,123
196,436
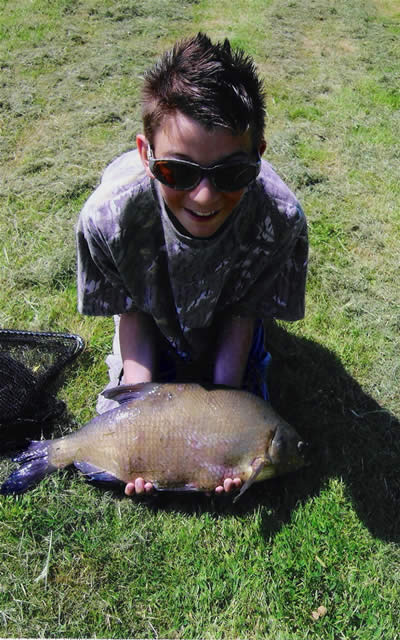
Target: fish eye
302,446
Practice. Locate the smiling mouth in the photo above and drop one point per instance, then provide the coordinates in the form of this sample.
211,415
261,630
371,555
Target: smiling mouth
204,215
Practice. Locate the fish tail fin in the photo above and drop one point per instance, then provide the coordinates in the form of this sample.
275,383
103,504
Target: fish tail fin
34,466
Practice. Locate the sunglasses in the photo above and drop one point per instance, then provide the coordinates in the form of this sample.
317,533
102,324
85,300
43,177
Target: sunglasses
185,176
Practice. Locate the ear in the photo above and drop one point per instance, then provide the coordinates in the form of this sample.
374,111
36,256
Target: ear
262,147
143,146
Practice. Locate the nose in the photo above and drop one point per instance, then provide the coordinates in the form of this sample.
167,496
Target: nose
205,194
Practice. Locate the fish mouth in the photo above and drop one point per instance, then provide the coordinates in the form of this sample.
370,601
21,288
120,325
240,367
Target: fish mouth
284,451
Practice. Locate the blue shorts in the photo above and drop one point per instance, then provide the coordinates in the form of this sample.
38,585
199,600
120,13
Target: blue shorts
255,377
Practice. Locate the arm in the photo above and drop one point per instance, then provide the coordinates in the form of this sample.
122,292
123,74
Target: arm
137,342
236,337
235,340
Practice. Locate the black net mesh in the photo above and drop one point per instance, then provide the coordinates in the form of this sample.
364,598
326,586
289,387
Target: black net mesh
30,366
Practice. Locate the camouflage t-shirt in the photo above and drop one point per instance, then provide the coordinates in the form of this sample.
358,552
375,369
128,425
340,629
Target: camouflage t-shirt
132,256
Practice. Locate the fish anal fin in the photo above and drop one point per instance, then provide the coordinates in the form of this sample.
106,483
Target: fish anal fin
190,487
95,474
257,466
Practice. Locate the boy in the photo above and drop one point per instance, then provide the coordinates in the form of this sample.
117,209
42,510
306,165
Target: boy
191,240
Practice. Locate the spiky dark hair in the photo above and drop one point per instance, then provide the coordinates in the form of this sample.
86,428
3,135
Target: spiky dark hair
211,83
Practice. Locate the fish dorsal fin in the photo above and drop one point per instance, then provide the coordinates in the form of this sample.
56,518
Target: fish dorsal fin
257,465
126,392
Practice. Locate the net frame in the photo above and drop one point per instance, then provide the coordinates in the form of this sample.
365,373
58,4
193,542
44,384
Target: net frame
30,366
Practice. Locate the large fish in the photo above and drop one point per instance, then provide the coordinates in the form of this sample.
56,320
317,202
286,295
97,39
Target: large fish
177,436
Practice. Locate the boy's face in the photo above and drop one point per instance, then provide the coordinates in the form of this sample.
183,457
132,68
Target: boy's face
204,209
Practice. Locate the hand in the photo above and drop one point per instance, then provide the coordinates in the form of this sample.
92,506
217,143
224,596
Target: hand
138,487
229,484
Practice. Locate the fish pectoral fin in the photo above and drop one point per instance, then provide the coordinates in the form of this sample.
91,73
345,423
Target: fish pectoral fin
257,466
95,474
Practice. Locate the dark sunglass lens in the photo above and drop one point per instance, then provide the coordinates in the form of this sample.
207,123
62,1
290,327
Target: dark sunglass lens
234,177
175,174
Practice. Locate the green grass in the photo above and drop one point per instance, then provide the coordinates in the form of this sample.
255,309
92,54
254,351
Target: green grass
78,561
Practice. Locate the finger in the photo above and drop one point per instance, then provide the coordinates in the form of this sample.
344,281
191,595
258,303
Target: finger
237,483
130,489
219,489
228,484
139,485
148,487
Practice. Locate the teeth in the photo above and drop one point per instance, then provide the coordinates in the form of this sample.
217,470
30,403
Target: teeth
202,214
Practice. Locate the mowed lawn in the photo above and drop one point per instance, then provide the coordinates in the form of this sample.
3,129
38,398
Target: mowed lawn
311,555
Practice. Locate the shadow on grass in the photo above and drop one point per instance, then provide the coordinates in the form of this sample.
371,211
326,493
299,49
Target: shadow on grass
351,437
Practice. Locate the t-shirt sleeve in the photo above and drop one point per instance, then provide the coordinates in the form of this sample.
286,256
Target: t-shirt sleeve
101,290
278,291
101,286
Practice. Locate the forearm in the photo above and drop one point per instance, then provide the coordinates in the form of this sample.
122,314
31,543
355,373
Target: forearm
137,343
235,340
